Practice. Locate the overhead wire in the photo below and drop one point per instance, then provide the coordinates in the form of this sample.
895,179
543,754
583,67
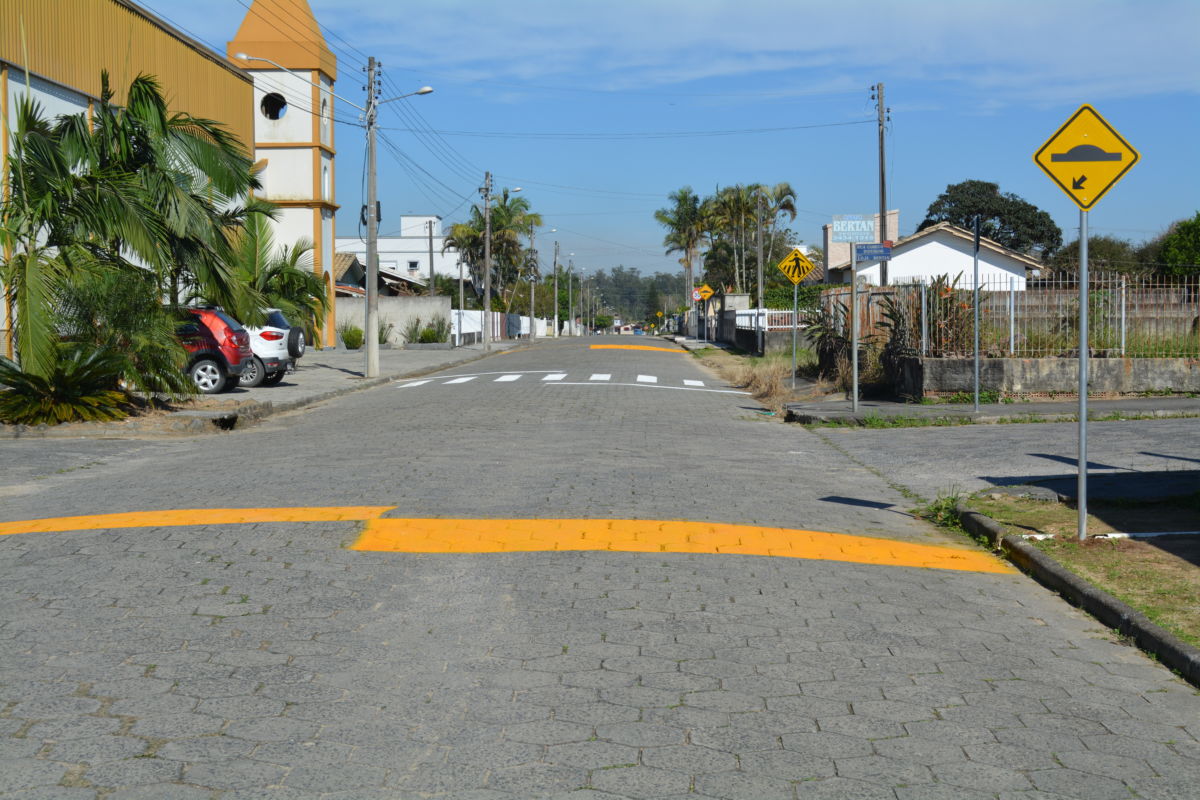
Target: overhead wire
628,135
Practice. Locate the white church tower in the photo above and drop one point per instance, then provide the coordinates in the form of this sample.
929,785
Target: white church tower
294,72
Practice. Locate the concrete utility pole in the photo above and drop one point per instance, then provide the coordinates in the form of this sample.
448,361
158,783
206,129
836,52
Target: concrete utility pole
570,299
371,334
486,191
461,308
883,220
429,225
555,289
532,279
758,314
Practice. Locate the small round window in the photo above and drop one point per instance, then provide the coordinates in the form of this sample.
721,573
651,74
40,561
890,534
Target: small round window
273,106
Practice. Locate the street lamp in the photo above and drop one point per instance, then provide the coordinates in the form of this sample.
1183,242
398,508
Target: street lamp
371,335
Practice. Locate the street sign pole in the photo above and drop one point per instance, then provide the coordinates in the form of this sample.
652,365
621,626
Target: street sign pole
976,259
795,327
854,328
1085,157
1083,374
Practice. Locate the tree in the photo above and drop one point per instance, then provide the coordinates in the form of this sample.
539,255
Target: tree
273,277
1181,248
684,222
1004,217
1105,254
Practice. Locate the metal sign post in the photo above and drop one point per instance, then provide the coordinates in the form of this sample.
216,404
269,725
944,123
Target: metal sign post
795,327
1081,505
976,259
854,328
1085,157
796,266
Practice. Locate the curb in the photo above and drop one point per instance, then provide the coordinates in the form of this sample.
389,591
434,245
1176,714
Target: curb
190,423
806,416
1127,621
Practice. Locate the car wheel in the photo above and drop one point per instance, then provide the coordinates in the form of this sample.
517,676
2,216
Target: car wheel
273,378
253,374
208,376
296,343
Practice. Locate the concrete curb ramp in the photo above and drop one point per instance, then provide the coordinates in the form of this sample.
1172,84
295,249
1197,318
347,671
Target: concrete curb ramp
1127,621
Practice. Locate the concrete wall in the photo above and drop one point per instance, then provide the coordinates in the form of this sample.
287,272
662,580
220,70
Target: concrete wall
397,310
1048,375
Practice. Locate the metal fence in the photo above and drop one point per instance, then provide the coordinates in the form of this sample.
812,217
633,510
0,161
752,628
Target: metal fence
770,319
1130,317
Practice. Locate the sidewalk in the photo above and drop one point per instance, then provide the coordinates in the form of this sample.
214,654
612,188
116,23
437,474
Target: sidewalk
322,375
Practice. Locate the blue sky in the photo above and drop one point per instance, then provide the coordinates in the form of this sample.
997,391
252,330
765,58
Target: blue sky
599,108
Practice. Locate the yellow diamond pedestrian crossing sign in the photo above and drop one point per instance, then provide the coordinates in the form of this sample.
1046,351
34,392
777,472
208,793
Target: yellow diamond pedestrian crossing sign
796,266
1086,157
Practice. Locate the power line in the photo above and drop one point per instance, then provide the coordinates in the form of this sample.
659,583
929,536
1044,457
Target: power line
624,136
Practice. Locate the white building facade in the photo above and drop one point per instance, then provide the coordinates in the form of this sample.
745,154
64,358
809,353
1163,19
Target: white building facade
407,255
946,249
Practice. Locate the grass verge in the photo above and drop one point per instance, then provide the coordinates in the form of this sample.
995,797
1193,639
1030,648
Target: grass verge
1159,577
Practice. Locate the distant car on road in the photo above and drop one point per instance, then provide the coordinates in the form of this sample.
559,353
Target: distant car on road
218,348
277,345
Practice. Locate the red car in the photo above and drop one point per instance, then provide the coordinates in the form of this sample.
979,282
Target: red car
218,348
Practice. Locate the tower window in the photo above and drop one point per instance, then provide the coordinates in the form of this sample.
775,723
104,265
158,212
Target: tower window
273,106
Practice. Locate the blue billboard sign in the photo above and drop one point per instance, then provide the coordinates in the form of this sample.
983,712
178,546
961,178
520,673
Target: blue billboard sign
853,228
872,252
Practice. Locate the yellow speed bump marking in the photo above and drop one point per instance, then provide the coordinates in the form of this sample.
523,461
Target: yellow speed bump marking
194,516
634,347
651,536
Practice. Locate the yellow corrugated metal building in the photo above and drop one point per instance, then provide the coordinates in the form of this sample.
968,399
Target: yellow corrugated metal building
58,48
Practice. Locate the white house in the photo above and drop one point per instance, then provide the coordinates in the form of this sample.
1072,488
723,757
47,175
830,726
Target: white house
946,249
407,255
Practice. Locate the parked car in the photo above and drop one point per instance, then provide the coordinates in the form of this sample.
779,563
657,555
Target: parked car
277,345
218,348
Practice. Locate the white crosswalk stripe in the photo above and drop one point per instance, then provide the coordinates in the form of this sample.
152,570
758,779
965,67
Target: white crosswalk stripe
564,379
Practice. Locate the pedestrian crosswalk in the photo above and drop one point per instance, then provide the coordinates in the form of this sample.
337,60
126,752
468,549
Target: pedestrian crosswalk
566,379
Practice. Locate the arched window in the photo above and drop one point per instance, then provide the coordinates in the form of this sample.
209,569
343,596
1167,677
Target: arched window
325,120
325,182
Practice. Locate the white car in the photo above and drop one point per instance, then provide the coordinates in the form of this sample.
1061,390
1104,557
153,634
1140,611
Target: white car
277,346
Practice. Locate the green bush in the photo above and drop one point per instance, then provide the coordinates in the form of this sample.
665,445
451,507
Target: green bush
352,335
82,388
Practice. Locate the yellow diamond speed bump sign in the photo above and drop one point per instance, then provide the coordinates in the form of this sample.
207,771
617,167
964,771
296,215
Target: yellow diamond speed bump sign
705,292
796,266
1086,157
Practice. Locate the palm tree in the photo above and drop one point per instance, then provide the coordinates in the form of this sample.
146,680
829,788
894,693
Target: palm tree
59,219
272,277
685,228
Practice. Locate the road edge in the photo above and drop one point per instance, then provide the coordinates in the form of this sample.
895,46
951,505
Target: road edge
192,423
1124,619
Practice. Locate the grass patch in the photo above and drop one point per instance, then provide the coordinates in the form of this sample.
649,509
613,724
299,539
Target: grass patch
1159,577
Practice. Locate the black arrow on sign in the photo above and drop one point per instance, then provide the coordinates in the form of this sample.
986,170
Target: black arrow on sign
1078,182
